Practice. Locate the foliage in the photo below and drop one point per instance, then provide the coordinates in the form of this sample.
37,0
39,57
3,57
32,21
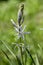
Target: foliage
33,19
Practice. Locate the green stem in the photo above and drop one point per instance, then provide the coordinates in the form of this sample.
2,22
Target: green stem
25,58
21,53
25,51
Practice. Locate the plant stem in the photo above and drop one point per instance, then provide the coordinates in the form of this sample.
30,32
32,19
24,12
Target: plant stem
21,53
25,51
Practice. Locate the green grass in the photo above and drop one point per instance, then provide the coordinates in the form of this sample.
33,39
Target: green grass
33,19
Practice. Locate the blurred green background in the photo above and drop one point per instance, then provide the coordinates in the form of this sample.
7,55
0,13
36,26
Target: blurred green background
33,12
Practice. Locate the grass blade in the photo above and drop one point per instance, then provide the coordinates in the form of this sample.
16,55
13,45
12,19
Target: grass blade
30,56
6,55
37,62
19,61
9,50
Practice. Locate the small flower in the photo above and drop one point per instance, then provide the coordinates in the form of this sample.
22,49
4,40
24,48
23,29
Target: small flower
19,30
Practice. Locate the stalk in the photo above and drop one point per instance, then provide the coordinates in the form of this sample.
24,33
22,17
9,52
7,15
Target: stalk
21,52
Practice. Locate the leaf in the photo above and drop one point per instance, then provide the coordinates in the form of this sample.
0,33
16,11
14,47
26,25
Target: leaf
19,61
6,55
37,62
9,50
30,55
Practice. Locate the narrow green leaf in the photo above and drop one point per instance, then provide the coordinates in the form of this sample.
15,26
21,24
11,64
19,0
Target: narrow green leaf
6,55
30,55
37,62
9,50
19,61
